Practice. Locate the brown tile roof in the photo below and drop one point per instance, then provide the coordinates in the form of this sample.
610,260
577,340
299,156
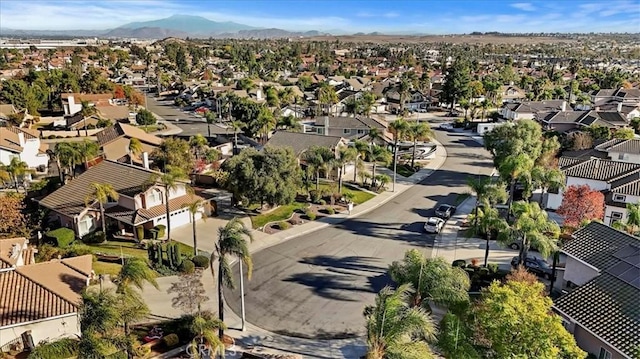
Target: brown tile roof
136,217
118,150
82,264
7,256
113,113
120,129
301,142
9,140
125,179
58,277
23,300
601,169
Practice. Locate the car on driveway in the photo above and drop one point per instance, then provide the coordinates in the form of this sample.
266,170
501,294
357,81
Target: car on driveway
446,126
535,265
445,211
433,225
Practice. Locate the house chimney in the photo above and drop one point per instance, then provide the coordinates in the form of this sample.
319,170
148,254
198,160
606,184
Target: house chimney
564,106
21,139
326,125
145,160
619,106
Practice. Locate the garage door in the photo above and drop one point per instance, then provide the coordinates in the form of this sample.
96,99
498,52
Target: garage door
179,218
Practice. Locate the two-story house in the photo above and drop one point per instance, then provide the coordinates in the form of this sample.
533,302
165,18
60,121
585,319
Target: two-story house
602,313
72,102
564,121
599,174
38,301
348,127
621,150
511,93
140,203
415,100
24,144
528,110
114,142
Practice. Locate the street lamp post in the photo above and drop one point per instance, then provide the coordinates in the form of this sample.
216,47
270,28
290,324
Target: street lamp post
395,165
242,297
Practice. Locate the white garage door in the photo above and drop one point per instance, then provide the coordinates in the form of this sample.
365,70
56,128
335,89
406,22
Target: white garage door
179,218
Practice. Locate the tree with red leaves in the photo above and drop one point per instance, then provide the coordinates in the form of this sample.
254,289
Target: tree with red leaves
118,92
581,203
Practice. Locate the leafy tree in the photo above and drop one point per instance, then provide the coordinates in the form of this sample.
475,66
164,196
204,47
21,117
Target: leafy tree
456,82
395,329
418,131
102,193
598,132
190,292
580,202
272,176
523,137
487,221
433,279
145,118
516,321
455,338
99,321
232,242
13,220
546,178
624,133
533,227
632,223
289,123
175,153
169,181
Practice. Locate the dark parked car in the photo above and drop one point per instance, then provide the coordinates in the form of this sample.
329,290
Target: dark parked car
445,211
516,245
535,265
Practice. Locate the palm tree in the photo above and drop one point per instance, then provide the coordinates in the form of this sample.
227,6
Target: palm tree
17,169
403,90
232,241
68,155
377,154
533,227
86,151
210,117
515,168
486,222
194,208
87,111
546,178
632,223
418,132
198,145
5,176
318,158
236,126
289,123
362,148
53,155
345,156
135,149
327,96
396,330
374,135
485,104
101,193
135,272
398,129
265,122
205,326
170,181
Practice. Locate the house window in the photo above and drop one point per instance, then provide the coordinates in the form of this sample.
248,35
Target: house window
155,197
346,131
616,215
604,354
320,131
619,198
85,225
361,132
623,156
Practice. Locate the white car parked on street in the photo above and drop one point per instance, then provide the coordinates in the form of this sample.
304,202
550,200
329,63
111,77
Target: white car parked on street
433,225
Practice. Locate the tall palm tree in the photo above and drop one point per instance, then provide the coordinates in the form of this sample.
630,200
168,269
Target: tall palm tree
418,132
327,96
194,208
361,148
53,156
396,330
484,105
101,193
87,111
533,227
232,241
487,221
16,169
398,129
403,90
68,155
374,135
375,155
546,178
169,181
345,156
236,126
513,169
135,273
631,224
135,149
318,158
198,144
265,122
86,150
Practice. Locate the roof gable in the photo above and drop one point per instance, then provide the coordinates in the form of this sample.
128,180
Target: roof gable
598,169
300,142
596,243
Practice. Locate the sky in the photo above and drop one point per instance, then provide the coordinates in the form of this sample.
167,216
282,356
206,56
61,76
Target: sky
390,16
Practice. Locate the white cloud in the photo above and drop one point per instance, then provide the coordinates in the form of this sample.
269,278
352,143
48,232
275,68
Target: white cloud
391,14
524,6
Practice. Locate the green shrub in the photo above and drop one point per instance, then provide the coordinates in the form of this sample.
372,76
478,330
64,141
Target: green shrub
459,263
322,202
94,237
315,196
171,340
187,266
330,210
283,225
161,230
310,214
493,267
200,261
62,237
61,348
76,250
140,232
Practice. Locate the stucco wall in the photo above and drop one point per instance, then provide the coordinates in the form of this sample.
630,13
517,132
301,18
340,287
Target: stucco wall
47,330
591,344
577,272
629,157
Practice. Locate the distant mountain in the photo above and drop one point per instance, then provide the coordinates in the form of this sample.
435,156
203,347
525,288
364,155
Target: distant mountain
268,34
146,33
193,25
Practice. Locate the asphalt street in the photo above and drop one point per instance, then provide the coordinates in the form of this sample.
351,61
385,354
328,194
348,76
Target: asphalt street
317,285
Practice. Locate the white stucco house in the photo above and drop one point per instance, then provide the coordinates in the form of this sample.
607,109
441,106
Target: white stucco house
621,150
602,289
528,110
38,301
24,144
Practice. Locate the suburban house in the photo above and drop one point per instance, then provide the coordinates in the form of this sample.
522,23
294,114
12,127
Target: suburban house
599,174
621,150
24,144
602,312
39,301
622,95
114,142
116,113
348,127
564,121
415,100
511,93
72,102
300,142
529,109
140,202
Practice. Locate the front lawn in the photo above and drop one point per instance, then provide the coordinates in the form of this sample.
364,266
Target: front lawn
279,214
152,128
128,249
359,196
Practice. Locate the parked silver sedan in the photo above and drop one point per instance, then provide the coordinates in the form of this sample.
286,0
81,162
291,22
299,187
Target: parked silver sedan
433,225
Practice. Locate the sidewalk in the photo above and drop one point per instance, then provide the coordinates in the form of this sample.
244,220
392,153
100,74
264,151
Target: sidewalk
257,340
